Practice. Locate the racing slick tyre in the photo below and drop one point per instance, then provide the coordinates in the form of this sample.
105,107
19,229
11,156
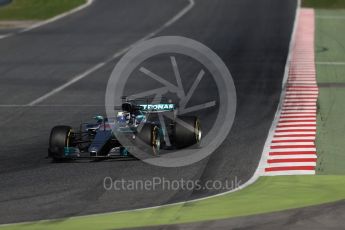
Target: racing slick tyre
187,131
60,137
150,135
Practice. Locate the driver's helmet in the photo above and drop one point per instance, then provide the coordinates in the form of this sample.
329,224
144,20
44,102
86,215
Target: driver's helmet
123,117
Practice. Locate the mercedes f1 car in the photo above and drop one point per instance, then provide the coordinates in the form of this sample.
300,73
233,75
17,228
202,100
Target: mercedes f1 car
140,122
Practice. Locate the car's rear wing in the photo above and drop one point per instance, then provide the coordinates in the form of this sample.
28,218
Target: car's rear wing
148,104
157,107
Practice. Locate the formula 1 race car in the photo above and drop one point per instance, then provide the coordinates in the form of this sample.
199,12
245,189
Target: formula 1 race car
140,122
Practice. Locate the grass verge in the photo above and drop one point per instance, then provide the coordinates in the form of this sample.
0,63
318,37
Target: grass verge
268,194
330,60
325,4
36,9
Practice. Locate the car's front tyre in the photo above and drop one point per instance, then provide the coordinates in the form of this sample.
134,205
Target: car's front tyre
60,138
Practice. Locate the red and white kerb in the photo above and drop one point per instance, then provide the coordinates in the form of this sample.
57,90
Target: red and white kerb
292,149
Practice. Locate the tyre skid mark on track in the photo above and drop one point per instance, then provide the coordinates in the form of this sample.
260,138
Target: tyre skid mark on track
292,150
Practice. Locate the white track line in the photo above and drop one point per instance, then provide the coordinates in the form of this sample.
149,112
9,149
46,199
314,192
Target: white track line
300,115
301,97
62,87
293,156
289,104
298,123
52,106
296,100
45,22
287,120
292,143
286,129
282,150
292,172
294,138
296,111
277,134
301,93
117,54
290,101
292,164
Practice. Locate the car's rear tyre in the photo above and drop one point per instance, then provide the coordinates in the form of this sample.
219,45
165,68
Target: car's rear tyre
150,134
187,131
60,137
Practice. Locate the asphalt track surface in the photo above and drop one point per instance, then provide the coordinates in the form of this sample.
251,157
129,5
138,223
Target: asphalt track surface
4,2
251,37
319,217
